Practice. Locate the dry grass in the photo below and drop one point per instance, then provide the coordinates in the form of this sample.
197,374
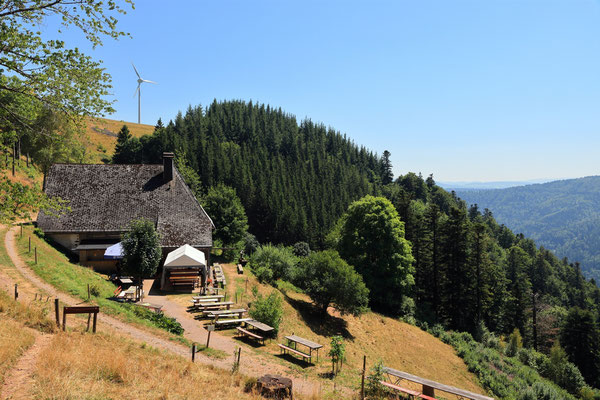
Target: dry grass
14,340
399,345
100,366
101,145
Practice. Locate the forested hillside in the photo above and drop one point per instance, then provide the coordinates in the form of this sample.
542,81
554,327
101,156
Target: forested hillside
458,268
563,216
294,179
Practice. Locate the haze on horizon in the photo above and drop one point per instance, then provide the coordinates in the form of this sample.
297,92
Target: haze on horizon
466,90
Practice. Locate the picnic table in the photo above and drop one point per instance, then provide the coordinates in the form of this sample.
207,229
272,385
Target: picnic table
264,329
429,386
209,296
294,340
211,305
215,314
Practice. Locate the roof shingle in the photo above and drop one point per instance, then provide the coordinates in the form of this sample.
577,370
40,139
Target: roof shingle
106,198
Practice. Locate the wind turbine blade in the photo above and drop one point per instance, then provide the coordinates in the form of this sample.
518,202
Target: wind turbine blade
144,80
136,90
136,71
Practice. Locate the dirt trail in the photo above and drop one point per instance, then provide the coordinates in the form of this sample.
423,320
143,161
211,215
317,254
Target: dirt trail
251,364
17,384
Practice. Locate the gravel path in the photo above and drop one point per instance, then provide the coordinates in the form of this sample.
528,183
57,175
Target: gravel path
251,364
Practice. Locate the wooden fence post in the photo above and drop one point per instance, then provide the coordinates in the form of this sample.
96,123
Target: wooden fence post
362,383
239,354
193,352
88,300
16,292
36,255
57,312
64,319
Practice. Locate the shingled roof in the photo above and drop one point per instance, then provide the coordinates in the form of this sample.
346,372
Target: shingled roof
106,198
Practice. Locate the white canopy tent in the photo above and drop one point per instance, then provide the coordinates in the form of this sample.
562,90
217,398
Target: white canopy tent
179,260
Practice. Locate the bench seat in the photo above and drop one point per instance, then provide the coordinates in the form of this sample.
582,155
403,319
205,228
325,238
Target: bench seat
294,351
413,393
246,332
231,321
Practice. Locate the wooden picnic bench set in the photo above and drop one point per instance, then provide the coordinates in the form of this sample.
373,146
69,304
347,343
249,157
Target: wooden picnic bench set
219,276
428,386
292,347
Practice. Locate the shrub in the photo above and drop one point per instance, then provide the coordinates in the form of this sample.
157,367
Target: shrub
278,259
94,290
160,320
301,249
268,310
374,389
515,342
250,243
337,352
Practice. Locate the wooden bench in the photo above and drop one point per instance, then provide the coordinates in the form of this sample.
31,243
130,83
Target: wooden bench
409,392
231,321
243,332
240,269
294,351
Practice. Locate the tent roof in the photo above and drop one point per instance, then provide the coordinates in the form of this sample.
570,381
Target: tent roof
185,256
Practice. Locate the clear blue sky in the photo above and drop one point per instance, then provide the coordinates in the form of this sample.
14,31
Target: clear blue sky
466,90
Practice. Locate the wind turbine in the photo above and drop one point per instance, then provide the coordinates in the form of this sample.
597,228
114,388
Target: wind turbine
139,90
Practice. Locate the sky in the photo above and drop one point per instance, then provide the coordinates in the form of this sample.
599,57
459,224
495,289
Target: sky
494,90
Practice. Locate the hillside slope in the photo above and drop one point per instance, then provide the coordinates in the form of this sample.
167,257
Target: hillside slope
563,216
102,133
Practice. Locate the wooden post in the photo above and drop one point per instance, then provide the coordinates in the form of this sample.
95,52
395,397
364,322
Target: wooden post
21,230
16,292
88,300
194,351
87,328
208,339
64,319
57,312
29,251
362,382
239,354
94,325
35,255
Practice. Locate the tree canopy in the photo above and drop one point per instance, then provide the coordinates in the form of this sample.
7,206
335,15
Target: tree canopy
371,238
227,212
329,280
43,68
141,249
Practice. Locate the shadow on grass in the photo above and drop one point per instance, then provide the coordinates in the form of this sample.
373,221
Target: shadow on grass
297,361
249,341
323,325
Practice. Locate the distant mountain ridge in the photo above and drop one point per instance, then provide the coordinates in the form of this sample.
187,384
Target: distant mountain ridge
563,216
476,185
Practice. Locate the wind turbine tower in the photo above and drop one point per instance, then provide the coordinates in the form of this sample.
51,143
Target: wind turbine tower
139,91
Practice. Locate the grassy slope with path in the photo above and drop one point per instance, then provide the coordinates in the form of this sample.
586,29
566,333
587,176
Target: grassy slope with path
56,269
113,366
399,345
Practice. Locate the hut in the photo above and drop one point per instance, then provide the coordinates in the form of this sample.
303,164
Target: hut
184,269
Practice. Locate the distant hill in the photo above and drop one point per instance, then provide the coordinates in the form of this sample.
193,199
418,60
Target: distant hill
563,216
456,186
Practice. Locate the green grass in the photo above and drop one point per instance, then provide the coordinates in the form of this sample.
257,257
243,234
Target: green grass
55,268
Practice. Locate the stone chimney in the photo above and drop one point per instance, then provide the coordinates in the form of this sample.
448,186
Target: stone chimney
167,167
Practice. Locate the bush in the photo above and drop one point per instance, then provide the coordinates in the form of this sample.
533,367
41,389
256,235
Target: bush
268,310
515,342
301,249
159,320
374,389
250,243
278,259
94,290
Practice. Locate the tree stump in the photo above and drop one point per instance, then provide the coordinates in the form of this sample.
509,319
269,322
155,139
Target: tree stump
275,386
